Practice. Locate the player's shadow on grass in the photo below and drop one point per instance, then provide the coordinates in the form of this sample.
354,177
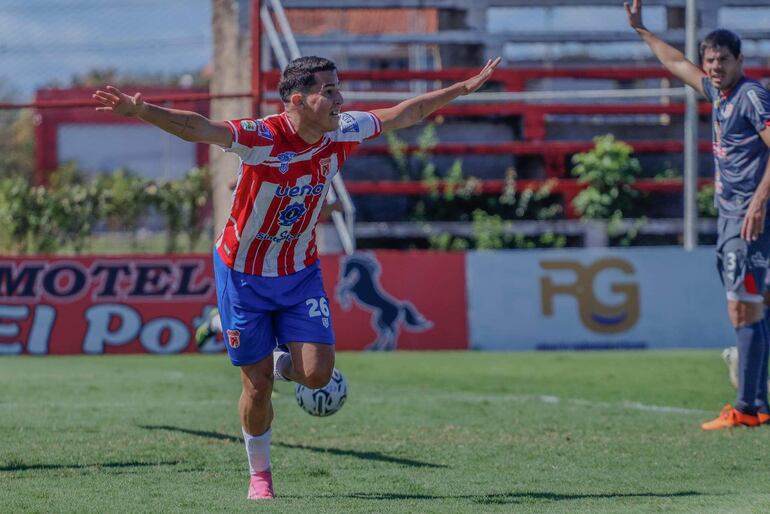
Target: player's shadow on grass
333,451
506,498
363,455
20,466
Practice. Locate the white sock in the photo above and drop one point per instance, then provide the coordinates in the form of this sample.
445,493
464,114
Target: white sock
282,364
216,324
258,451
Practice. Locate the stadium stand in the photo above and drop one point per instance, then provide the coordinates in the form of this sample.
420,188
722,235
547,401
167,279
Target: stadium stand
378,51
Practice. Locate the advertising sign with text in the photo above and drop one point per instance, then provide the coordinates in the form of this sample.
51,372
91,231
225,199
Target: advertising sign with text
102,305
130,304
596,298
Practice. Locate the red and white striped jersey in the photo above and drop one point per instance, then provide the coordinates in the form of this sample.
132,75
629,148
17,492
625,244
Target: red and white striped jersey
282,182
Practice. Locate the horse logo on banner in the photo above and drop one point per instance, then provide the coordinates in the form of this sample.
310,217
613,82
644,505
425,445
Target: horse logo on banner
360,279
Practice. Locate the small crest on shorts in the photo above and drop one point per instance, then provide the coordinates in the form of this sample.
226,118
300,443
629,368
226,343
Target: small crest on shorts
759,261
326,164
234,338
325,322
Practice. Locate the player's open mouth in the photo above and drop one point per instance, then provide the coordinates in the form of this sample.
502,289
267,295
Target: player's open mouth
335,114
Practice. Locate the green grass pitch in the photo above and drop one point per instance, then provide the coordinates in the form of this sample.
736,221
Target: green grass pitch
421,432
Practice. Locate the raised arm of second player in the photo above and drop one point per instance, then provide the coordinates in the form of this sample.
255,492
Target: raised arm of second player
670,57
411,111
186,125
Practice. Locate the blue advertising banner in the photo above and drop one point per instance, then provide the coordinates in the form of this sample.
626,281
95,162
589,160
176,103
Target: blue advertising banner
596,299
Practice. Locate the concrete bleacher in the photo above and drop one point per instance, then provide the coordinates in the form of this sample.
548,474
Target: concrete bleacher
550,45
537,138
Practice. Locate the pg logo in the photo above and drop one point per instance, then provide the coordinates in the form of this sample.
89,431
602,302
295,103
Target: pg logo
596,315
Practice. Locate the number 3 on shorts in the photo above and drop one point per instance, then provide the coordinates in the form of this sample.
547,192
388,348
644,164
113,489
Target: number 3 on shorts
318,307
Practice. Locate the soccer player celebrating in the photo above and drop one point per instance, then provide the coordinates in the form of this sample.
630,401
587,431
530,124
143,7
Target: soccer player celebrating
269,287
741,141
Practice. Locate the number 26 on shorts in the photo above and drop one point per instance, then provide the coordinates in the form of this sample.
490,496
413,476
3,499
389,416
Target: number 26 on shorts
318,307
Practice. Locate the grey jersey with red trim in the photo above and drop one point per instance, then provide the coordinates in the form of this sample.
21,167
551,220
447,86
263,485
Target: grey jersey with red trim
740,154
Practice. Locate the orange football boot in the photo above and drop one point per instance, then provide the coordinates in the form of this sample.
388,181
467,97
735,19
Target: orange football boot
764,419
730,418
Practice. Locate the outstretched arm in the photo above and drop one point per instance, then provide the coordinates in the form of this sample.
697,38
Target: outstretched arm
409,112
186,125
670,57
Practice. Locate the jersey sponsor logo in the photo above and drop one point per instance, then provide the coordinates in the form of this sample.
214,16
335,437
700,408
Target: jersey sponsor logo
264,131
360,279
249,125
754,99
291,192
325,165
278,238
291,214
234,338
596,315
348,123
285,159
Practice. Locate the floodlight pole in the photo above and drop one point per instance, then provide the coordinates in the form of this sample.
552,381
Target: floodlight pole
256,59
691,135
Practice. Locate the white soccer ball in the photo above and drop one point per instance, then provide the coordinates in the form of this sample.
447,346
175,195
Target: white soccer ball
326,400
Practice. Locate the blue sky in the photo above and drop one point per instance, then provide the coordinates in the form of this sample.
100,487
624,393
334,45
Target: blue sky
51,40
42,41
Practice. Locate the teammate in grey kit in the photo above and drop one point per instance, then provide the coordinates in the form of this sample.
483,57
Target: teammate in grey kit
741,146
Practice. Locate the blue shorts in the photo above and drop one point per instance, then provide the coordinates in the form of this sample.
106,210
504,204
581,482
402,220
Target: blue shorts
258,312
742,264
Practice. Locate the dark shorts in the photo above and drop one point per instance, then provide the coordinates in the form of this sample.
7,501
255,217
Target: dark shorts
742,264
258,312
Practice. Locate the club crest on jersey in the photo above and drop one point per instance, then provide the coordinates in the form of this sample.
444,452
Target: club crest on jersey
234,338
326,164
249,125
728,111
291,214
348,123
285,159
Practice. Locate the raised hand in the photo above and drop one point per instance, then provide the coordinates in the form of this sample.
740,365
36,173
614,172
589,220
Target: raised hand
115,101
634,13
473,83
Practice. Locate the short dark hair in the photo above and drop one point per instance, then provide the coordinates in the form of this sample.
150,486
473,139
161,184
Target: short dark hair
298,75
724,39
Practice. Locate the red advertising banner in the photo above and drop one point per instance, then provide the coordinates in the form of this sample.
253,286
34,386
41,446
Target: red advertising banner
97,305
387,300
383,300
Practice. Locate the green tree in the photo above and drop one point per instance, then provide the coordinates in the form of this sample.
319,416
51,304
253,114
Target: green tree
17,143
609,171
181,202
706,207
125,199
